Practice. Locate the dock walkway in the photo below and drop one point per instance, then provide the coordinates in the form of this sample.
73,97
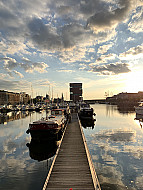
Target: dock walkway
72,167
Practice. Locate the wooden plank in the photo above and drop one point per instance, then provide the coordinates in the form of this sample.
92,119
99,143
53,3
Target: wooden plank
72,166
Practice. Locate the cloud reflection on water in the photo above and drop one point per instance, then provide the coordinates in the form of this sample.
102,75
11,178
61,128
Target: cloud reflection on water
116,135
118,158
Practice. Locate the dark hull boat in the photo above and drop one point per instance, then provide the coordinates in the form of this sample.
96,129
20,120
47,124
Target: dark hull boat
86,112
88,123
48,127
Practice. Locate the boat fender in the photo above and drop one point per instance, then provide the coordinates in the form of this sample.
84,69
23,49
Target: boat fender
27,131
28,144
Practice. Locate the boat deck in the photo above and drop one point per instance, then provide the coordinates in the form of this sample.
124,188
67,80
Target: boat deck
72,166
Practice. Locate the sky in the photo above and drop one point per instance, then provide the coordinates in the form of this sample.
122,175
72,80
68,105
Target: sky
45,45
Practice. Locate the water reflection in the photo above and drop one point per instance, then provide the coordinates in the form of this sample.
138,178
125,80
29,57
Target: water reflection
88,123
115,135
14,115
140,119
42,150
126,109
116,147
17,169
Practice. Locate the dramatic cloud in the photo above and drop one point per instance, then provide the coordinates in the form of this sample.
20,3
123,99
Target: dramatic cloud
27,65
109,18
71,35
112,68
47,38
43,35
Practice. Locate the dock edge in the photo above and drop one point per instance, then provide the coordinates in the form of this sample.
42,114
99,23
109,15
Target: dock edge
92,169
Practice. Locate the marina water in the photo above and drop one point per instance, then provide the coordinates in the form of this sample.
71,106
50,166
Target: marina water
114,141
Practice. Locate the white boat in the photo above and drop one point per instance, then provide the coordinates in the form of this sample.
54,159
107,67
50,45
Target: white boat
139,109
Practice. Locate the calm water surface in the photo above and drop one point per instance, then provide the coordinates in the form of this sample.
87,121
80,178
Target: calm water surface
17,169
116,146
114,141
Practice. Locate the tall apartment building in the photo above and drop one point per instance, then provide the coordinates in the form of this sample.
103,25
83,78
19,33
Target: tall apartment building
76,92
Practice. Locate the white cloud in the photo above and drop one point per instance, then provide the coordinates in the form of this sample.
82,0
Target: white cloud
19,74
104,48
27,65
136,24
134,51
65,71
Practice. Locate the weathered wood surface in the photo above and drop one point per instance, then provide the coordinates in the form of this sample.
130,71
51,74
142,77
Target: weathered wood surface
72,167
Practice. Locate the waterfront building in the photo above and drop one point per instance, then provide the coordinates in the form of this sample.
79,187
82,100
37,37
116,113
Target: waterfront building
125,97
13,98
9,97
130,96
24,98
75,92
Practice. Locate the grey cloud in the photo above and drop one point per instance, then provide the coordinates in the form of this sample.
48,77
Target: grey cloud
6,84
30,67
112,68
62,10
43,35
108,18
70,35
88,7
7,18
73,34
14,85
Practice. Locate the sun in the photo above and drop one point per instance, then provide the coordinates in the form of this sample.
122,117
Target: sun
134,81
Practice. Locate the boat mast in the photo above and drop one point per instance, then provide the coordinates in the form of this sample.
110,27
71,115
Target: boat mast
52,94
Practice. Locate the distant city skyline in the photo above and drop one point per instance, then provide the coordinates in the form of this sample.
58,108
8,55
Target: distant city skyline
46,45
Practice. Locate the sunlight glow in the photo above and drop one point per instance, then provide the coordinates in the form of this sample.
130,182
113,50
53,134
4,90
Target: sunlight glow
134,81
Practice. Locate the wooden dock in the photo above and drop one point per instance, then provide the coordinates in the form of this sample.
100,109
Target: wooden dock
72,166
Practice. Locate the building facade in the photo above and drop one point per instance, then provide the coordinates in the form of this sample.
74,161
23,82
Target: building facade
13,98
76,92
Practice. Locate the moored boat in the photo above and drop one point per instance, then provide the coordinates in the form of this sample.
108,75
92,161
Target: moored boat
85,112
67,111
139,109
49,126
